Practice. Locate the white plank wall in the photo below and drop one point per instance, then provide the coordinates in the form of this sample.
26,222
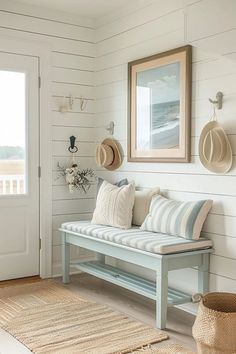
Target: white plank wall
155,28
210,24
152,26
72,43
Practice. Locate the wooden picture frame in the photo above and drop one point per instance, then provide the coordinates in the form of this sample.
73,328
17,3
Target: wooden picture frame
159,107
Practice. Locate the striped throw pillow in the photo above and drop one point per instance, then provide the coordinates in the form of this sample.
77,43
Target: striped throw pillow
183,219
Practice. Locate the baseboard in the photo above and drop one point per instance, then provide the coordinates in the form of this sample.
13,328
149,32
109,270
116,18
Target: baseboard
189,308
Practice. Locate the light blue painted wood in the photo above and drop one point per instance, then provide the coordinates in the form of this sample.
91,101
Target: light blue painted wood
187,261
101,257
117,279
116,272
136,278
65,259
161,264
203,275
130,281
161,294
132,255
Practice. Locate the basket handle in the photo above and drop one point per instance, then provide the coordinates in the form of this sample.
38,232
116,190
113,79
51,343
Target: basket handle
197,297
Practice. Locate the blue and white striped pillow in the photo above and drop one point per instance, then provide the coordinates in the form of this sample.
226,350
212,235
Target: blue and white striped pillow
183,219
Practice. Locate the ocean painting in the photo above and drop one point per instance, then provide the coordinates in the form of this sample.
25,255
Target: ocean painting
158,107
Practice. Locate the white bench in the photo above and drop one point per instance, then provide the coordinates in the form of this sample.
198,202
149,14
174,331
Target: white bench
159,252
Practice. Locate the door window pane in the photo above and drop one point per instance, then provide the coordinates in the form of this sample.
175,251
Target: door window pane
12,132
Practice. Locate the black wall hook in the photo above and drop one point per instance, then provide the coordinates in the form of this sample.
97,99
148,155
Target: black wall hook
72,148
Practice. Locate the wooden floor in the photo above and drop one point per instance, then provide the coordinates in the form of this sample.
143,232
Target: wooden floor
28,280
179,323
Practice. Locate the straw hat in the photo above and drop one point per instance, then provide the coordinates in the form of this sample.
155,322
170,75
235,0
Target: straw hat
108,155
214,148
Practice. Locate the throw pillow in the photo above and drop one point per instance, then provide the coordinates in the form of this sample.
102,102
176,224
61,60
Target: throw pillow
184,219
142,201
120,183
114,205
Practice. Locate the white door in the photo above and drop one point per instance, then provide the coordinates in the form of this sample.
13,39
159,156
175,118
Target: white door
19,161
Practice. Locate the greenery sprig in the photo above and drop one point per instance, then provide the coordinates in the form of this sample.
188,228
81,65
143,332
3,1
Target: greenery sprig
77,179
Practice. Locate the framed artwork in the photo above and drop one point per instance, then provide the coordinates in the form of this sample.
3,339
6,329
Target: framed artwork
159,105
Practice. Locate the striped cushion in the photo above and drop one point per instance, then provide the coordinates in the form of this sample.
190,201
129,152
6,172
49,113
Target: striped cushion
136,238
183,219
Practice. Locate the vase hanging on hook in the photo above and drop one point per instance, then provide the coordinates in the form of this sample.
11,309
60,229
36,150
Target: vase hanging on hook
75,178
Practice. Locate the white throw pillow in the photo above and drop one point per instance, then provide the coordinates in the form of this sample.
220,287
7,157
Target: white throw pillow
183,219
142,201
114,205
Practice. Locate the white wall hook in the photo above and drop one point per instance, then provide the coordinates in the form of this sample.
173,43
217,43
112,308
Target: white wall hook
218,102
63,107
83,103
110,128
71,102
66,104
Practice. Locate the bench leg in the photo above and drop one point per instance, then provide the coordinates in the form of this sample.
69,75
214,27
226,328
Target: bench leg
65,260
203,274
161,295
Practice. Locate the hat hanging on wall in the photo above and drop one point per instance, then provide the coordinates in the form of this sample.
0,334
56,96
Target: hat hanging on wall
108,154
214,147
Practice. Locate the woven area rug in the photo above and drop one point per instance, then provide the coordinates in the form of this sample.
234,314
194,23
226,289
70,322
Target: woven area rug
48,318
169,349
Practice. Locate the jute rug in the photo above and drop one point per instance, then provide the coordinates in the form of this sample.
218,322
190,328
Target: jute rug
48,318
169,349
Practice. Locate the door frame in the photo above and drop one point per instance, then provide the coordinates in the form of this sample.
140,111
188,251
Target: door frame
41,50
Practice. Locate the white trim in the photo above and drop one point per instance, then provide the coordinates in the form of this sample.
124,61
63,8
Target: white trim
43,52
189,308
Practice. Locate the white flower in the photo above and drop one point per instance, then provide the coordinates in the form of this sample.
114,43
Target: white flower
71,188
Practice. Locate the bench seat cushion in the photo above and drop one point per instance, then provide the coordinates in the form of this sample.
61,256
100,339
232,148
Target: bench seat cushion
135,238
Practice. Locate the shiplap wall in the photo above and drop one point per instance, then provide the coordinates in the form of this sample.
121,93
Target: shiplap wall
159,26
71,39
210,24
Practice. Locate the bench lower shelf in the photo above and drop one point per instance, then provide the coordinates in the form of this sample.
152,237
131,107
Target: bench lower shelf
130,281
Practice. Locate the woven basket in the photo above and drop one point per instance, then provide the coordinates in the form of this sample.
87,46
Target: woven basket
214,329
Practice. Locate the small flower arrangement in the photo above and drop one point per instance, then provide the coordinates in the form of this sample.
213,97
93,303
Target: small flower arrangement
77,179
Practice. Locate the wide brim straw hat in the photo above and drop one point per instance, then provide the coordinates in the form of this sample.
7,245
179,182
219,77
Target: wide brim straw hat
108,154
215,151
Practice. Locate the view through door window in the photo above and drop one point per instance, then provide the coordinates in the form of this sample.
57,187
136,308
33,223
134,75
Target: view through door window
12,133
